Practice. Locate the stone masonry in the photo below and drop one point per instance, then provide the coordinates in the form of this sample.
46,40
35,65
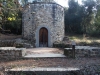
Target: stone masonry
83,51
37,15
11,53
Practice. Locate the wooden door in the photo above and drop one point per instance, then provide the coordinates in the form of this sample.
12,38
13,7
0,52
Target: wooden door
43,37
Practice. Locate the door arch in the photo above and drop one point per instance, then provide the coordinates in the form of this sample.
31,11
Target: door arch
43,37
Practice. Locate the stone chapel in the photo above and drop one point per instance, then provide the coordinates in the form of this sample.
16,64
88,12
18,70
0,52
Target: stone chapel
43,23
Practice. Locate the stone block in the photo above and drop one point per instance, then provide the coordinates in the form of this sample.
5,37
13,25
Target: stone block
10,53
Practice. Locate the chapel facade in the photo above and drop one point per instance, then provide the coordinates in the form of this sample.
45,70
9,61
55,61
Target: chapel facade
43,23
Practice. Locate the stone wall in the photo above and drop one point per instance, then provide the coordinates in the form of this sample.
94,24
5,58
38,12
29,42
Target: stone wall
83,51
42,73
43,14
89,52
18,43
10,53
7,43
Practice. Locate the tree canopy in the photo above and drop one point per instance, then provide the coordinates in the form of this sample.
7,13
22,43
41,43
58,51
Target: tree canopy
83,18
11,16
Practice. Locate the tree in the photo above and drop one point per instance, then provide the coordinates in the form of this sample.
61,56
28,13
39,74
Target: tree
73,17
95,29
0,14
88,18
11,19
83,18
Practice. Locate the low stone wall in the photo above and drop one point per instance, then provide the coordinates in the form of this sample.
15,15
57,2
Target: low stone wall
42,73
10,53
83,51
18,43
89,52
7,43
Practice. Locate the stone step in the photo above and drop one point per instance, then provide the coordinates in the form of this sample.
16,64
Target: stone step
43,71
44,55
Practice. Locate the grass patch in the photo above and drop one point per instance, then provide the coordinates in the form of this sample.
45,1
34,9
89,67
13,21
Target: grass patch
80,40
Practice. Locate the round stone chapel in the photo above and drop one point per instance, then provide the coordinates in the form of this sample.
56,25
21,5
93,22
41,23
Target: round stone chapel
43,23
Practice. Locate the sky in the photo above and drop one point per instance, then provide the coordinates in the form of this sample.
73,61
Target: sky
64,2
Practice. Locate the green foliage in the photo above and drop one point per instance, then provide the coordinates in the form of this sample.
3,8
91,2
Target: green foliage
88,18
19,46
11,18
83,18
15,25
73,17
95,28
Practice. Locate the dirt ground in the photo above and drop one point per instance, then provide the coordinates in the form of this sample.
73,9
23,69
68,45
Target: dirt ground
9,36
49,62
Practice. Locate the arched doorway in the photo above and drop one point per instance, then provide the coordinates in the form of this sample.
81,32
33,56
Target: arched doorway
43,37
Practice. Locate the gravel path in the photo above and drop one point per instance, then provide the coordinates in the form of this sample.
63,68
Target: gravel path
51,62
43,52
